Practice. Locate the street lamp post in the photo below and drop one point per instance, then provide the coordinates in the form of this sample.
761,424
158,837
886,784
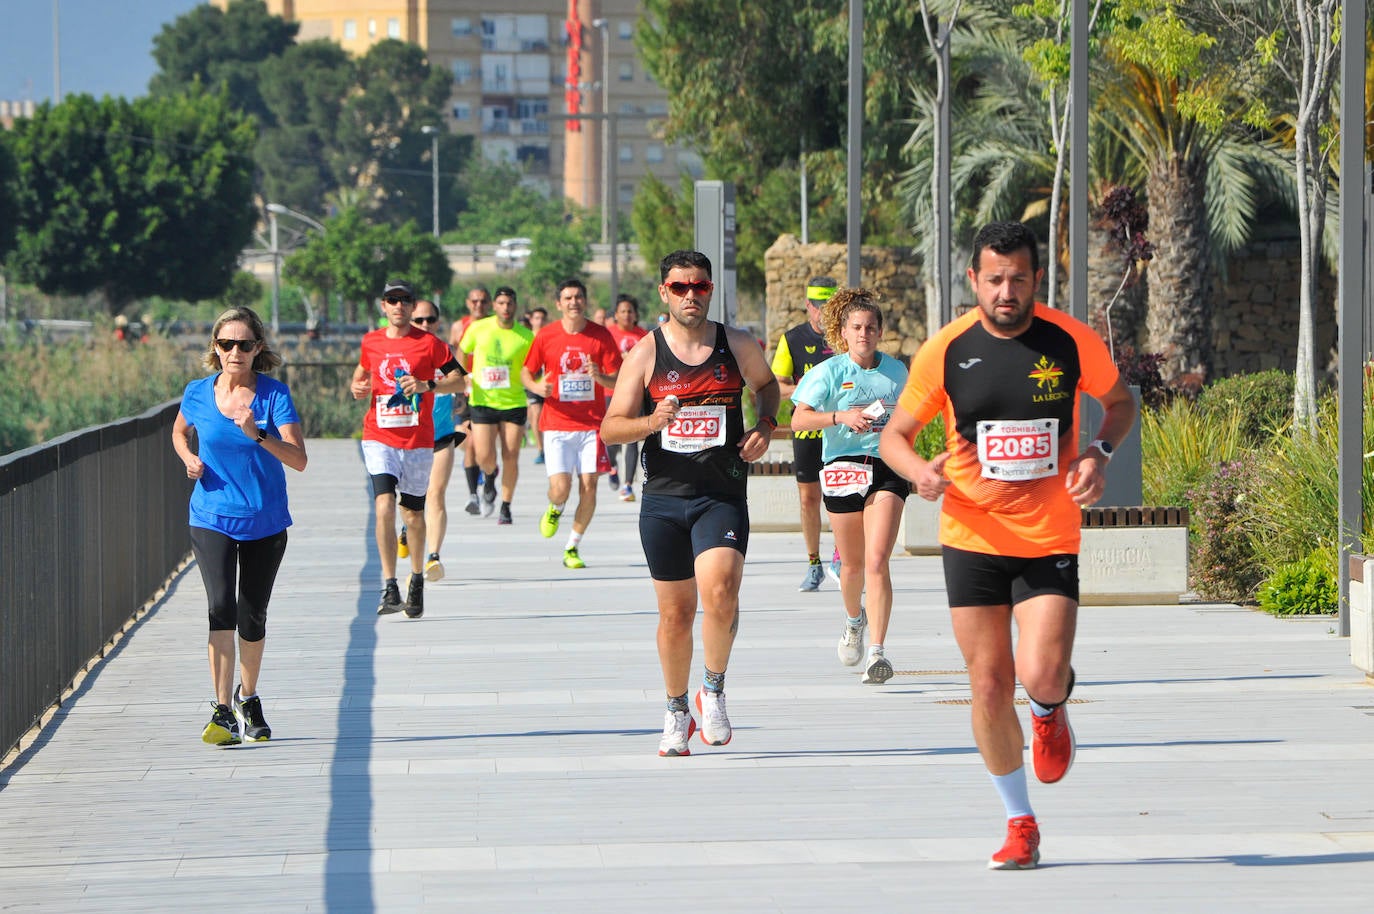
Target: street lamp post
607,138
433,134
273,211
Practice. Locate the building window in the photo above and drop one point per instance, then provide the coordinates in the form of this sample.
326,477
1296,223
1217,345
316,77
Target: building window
627,30
626,195
462,28
350,31
653,153
462,111
627,152
627,71
462,71
393,28
372,28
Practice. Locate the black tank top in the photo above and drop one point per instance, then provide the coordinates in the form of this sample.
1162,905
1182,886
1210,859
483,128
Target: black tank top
698,454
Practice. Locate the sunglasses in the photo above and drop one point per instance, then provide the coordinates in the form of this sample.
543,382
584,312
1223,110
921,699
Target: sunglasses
425,320
398,301
243,345
680,289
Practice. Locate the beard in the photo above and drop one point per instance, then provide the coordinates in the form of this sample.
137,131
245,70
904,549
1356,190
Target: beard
1018,319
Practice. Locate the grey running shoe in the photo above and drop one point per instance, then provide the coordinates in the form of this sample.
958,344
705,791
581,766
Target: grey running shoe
878,670
488,502
812,582
249,714
474,507
851,646
391,599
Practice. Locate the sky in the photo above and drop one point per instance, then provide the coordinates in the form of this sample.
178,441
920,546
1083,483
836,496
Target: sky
106,45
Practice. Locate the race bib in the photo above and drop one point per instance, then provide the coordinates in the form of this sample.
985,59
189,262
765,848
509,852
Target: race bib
495,377
695,428
575,388
845,477
1017,450
398,416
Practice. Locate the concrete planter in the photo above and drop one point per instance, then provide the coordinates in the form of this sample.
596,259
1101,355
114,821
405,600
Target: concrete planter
1362,614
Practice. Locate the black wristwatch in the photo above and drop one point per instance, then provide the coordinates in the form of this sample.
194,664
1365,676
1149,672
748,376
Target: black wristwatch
262,435
431,383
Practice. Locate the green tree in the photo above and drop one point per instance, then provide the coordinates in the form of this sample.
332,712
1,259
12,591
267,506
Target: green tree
498,204
217,48
7,202
771,82
130,199
353,258
380,147
558,251
662,219
303,90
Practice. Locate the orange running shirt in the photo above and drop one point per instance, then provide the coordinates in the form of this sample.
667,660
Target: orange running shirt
1008,498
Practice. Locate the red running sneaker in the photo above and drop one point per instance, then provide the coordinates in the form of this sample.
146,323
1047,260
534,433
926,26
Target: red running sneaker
1022,848
1052,745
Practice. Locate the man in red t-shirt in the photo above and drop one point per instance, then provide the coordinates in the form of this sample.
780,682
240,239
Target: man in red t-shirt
396,372
625,330
579,361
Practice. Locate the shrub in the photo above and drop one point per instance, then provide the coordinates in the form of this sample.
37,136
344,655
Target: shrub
1141,370
1304,587
1223,565
1180,447
930,440
1263,400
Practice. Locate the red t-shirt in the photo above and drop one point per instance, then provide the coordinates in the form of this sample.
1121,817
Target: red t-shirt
417,353
576,403
625,339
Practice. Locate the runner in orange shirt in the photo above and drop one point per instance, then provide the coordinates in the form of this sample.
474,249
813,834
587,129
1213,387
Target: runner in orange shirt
1006,377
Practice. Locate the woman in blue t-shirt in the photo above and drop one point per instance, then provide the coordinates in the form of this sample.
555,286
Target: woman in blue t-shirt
849,398
246,429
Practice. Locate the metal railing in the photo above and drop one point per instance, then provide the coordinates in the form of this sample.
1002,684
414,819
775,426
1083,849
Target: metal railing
92,525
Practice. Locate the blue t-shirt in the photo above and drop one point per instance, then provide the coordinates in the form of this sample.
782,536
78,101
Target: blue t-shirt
839,383
242,493
443,415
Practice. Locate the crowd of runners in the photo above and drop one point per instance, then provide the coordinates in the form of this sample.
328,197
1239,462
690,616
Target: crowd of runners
1005,378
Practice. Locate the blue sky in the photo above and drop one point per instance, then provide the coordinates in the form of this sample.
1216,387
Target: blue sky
106,45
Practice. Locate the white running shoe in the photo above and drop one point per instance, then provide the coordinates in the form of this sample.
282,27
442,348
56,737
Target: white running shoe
678,727
833,569
488,503
878,670
851,646
715,723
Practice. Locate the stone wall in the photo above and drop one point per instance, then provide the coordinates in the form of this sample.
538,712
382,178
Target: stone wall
892,272
1254,324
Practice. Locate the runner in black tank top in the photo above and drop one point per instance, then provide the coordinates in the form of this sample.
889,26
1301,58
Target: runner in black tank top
699,453
680,392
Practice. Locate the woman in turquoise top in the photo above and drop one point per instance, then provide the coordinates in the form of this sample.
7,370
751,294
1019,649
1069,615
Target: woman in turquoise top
849,398
246,430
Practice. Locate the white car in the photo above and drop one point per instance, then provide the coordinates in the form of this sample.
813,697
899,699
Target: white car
512,252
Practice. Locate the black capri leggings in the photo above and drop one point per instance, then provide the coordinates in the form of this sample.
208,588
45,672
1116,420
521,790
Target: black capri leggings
256,563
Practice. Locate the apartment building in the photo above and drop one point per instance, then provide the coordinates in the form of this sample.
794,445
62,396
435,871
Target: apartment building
519,68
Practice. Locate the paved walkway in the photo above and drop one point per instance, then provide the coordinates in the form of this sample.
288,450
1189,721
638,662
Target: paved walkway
499,755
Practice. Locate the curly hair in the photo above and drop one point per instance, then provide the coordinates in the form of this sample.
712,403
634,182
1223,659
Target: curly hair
266,359
842,304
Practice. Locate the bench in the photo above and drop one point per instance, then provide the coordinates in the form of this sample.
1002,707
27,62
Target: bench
1128,555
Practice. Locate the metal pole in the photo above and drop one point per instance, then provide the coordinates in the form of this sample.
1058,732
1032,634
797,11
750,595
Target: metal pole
434,157
276,273
612,123
856,120
1078,162
1351,285
607,234
56,54
944,218
805,205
